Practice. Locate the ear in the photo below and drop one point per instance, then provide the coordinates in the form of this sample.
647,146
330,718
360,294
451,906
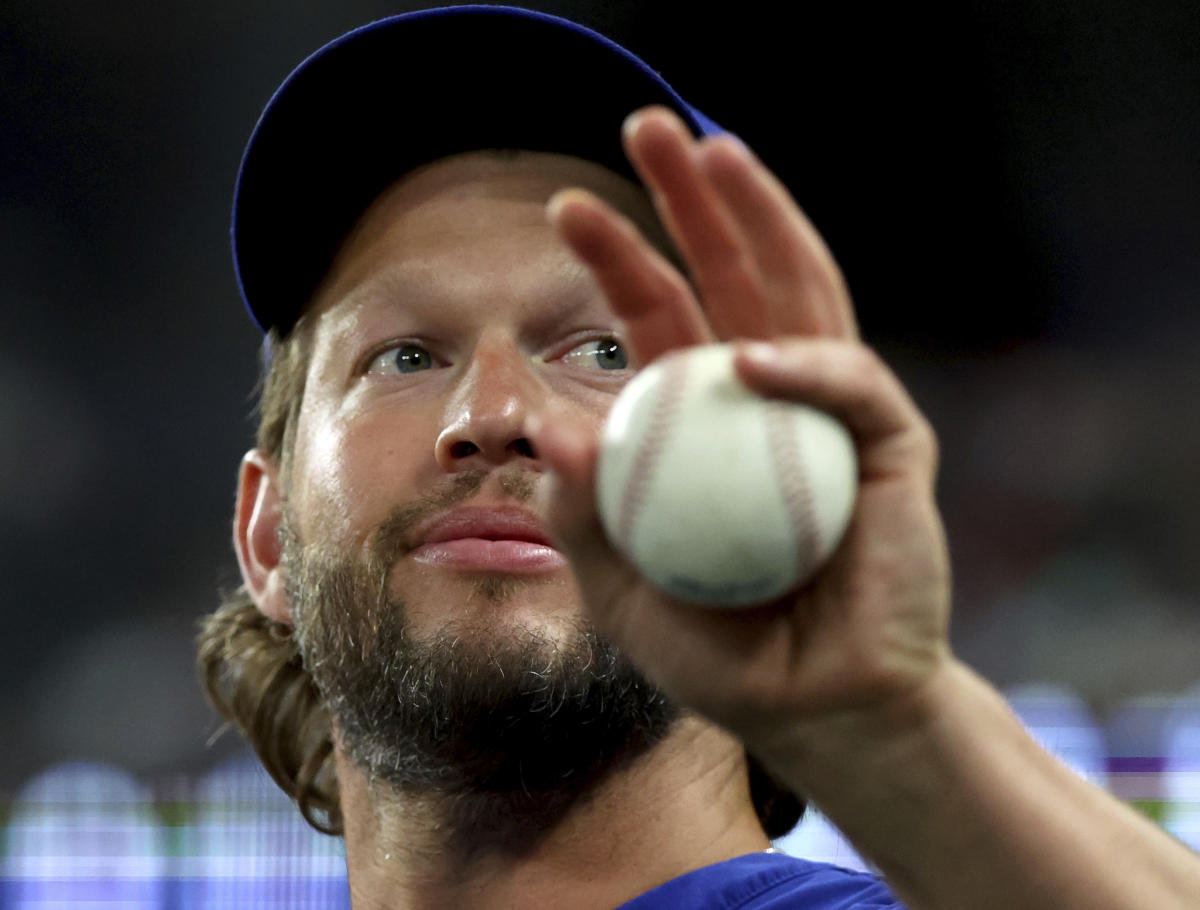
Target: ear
256,534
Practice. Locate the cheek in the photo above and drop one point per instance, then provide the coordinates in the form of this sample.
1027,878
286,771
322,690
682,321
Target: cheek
351,474
591,403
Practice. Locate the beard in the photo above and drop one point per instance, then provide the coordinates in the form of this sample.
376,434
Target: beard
508,726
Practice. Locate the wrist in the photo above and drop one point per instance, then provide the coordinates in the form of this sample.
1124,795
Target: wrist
838,747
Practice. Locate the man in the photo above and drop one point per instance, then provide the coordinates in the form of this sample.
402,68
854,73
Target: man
437,652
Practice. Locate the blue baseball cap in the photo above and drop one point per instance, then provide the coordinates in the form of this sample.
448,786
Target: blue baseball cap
395,94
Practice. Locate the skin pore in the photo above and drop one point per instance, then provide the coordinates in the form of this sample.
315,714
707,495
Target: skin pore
451,316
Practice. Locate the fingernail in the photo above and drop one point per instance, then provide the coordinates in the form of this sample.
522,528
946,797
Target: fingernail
733,139
558,204
554,206
560,198
760,352
631,123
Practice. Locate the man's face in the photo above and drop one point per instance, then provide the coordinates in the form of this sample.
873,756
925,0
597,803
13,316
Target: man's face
451,313
442,627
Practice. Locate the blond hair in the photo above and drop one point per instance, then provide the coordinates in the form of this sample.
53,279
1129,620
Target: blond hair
249,664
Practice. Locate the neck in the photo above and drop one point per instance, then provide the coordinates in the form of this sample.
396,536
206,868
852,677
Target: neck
682,805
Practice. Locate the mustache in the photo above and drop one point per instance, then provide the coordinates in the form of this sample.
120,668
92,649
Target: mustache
394,535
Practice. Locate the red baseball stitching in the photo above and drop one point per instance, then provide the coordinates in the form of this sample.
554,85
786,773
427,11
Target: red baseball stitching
793,482
673,383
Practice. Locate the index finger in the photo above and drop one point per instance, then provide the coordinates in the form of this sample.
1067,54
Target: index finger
645,291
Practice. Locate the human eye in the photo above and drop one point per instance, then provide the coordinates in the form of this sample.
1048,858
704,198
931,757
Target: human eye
402,358
598,353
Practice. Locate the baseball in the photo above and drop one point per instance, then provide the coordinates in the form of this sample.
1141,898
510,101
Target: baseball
719,496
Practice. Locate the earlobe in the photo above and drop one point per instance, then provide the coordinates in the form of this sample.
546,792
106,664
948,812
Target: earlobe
256,523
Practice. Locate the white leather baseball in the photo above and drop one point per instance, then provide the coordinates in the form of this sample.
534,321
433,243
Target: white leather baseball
718,495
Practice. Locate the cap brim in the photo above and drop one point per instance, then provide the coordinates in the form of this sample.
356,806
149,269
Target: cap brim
404,91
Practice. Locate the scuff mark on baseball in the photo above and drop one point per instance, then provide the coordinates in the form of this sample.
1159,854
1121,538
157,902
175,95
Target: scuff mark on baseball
720,496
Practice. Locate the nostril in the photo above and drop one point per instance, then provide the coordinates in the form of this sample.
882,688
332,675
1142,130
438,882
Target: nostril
523,447
463,449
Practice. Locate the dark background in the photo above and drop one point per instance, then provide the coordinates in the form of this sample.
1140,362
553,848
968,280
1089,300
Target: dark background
1013,191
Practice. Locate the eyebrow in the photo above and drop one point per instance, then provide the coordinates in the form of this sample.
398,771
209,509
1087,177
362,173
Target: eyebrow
568,302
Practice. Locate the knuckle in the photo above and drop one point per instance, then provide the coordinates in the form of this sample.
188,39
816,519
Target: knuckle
866,369
933,446
924,444
858,359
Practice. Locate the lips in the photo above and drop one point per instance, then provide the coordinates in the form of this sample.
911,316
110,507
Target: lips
504,523
475,538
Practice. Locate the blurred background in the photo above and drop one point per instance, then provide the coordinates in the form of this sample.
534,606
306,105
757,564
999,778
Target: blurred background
1013,191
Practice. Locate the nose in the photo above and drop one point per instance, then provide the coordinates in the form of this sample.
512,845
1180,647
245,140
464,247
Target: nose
485,418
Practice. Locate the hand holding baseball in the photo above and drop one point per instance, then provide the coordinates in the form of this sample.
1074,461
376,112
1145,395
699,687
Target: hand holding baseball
871,624
719,496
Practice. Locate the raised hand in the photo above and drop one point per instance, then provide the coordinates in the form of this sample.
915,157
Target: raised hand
872,625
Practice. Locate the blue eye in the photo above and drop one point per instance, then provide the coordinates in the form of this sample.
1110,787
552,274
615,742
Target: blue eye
600,353
404,358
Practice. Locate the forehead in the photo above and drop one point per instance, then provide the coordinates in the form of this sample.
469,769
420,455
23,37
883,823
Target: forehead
471,214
